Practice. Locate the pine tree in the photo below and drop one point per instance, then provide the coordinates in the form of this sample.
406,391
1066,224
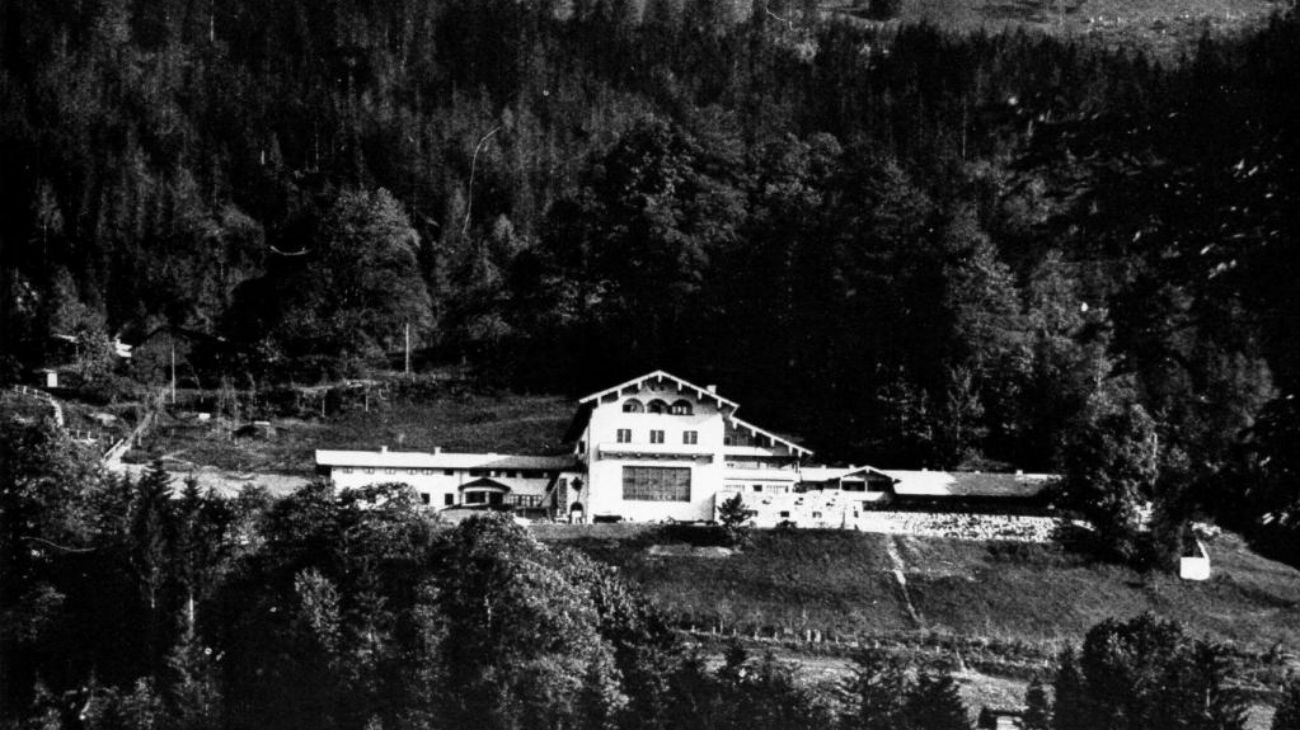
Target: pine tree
934,704
1287,716
1072,710
1038,711
149,553
879,692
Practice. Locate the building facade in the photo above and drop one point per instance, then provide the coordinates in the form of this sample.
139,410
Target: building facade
654,448
659,448
446,479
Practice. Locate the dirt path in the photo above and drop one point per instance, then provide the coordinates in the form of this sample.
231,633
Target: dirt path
900,577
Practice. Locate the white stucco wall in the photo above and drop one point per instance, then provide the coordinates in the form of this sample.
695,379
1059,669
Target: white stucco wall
606,457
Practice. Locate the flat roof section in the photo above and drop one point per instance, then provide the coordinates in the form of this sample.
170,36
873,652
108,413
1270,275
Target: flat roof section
441,460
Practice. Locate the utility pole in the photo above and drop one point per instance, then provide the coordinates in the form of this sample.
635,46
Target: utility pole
173,369
408,347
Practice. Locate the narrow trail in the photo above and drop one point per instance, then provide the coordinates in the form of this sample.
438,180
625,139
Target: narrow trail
44,397
891,547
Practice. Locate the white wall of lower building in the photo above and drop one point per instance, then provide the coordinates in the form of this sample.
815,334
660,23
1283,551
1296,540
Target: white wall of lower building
440,487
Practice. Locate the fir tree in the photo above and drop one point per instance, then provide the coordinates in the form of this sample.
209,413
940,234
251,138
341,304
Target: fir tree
1038,711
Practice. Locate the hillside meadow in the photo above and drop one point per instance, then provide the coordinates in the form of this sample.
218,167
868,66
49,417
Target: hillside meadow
1012,605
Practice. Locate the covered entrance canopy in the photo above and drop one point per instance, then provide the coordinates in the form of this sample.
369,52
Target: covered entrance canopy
484,491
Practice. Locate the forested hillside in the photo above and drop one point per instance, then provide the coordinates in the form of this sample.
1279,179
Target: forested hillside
905,247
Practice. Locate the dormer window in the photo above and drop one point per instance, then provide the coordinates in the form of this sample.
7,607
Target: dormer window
632,405
657,406
682,408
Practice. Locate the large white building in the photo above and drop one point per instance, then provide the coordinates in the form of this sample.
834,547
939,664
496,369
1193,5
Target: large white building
653,448
659,448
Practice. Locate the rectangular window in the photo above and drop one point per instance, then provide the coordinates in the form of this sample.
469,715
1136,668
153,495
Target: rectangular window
449,499
656,437
510,475
390,471
758,487
625,435
370,470
657,483
475,497
691,437
346,470
424,499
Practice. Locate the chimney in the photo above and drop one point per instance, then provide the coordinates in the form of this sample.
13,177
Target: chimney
712,389
437,449
383,449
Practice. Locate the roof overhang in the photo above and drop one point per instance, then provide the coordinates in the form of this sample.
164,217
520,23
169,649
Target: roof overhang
659,376
484,484
745,426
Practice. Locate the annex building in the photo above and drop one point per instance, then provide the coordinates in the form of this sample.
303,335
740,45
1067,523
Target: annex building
656,448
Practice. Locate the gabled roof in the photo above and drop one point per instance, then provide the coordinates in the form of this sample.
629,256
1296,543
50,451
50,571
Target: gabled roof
865,470
660,376
736,422
484,483
961,483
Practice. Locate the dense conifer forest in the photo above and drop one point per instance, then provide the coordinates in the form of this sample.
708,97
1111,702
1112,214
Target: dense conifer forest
905,247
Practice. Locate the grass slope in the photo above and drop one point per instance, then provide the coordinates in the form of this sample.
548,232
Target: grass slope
459,422
841,584
1162,28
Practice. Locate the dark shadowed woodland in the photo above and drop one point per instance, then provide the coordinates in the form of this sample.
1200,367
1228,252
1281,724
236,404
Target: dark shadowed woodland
905,246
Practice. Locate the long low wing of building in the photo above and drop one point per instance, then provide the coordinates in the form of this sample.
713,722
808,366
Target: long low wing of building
450,479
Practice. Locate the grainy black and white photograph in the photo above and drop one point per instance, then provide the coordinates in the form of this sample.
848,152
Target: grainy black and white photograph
379,365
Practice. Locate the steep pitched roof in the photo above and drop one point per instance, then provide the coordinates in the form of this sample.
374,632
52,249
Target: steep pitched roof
758,431
660,376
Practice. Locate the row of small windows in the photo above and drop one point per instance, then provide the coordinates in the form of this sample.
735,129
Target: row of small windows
678,408
517,500
624,436
505,473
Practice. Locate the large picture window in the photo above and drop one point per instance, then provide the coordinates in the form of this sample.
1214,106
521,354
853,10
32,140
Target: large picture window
657,484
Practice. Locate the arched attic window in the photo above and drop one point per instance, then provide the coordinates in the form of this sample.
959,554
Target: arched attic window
657,406
632,405
682,407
